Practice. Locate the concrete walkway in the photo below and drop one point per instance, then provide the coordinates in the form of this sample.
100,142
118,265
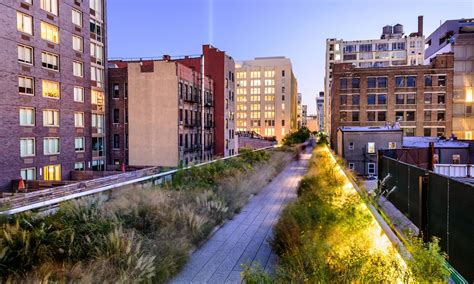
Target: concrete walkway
244,239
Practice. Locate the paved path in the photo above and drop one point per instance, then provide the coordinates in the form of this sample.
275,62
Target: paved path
244,238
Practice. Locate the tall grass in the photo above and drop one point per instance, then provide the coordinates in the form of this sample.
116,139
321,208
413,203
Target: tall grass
142,235
329,235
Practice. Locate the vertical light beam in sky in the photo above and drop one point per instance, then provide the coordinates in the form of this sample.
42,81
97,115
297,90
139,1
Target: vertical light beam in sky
210,21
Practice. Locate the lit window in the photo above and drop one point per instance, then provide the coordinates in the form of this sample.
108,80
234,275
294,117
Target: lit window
78,94
371,147
27,147
28,173
392,145
79,119
468,135
25,85
76,17
79,144
269,82
469,98
49,32
27,116
269,90
269,74
51,146
25,54
241,75
50,118
255,83
77,43
50,6
50,61
78,69
24,23
51,89
255,91
255,74
79,166
52,172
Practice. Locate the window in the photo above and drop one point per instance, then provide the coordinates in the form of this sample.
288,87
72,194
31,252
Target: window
78,69
343,99
355,83
441,81
398,46
381,116
382,82
410,116
24,23
52,172
456,159
116,116
98,122
365,47
371,99
400,81
428,98
371,168
27,116
440,115
49,32
77,43
355,100
28,174
355,116
25,85
426,132
25,54
79,166
269,73
381,99
97,75
78,94
343,84
79,119
27,147
96,6
79,144
441,99
411,81
343,116
116,144
371,147
51,118
427,115
400,99
50,61
76,17
428,81
371,82
51,89
98,53
392,145
50,6
351,145
351,166
51,146
399,116
411,99
371,116
439,131
283,73
116,89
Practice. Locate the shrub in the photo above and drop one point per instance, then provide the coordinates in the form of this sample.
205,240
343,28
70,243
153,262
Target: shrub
297,137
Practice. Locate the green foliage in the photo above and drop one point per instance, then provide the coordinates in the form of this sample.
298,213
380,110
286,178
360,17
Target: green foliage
254,274
427,263
328,235
322,138
297,137
140,235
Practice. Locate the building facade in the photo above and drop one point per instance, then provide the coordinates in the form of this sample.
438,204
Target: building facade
220,67
52,89
457,36
159,115
392,49
267,99
320,111
359,146
312,123
418,97
304,115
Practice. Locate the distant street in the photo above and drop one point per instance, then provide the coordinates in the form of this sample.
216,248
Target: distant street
245,238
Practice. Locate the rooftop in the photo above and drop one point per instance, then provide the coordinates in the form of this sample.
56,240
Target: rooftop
389,128
423,142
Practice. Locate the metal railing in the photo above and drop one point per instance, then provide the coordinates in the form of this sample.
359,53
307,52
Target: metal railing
54,196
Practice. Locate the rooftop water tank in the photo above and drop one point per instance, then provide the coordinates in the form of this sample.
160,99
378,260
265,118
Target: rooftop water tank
387,30
398,29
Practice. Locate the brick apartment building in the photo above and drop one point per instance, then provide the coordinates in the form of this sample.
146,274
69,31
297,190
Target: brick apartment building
220,67
418,97
53,56
158,115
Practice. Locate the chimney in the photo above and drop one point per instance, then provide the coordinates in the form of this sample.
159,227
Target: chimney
420,25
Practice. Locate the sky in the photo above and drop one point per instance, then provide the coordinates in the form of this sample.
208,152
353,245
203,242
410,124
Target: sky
246,29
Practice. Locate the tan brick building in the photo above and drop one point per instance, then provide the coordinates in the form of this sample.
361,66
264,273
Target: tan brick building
418,97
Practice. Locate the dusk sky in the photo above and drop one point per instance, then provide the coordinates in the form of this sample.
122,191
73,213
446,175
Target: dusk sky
256,28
